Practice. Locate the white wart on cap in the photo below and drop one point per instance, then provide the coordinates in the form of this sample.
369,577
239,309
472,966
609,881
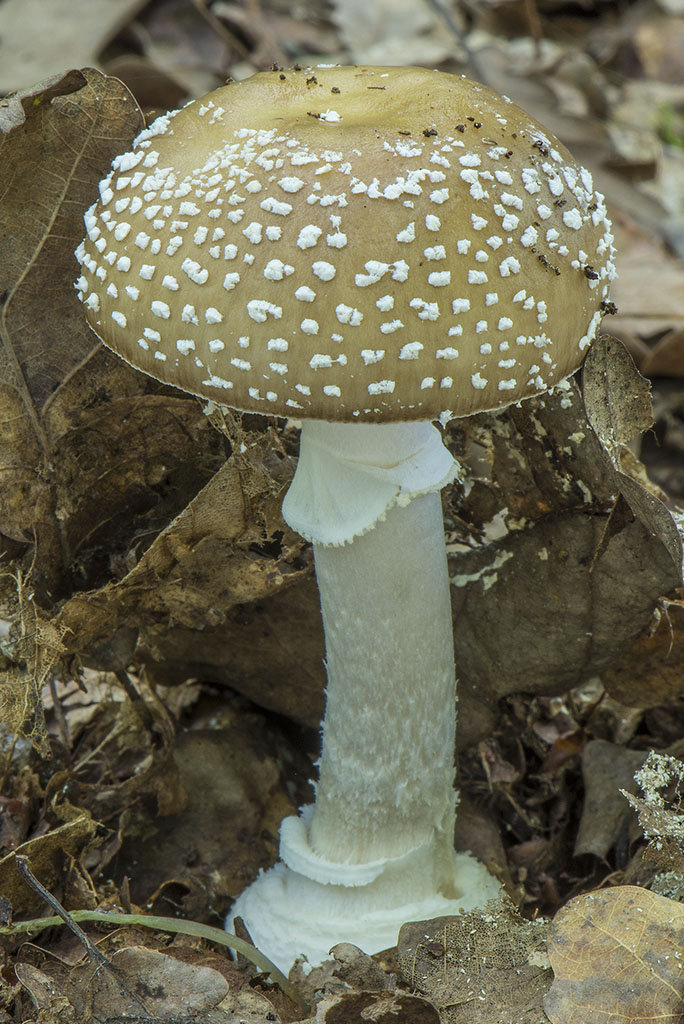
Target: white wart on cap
349,244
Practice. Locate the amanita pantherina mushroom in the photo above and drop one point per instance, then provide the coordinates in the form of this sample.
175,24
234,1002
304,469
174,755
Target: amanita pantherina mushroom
367,250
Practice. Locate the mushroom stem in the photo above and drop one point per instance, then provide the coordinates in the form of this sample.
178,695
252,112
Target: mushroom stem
376,848
368,497
387,766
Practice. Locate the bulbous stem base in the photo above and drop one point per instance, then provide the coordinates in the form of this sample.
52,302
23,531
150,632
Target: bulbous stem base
288,914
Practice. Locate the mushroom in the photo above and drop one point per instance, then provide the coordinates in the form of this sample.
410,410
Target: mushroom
367,250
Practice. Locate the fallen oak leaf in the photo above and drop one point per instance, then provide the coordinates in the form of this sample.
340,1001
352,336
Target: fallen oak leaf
616,959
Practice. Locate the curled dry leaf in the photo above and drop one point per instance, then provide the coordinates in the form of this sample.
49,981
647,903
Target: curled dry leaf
607,768
617,958
483,967
617,400
358,970
189,602
618,407
271,650
202,564
590,548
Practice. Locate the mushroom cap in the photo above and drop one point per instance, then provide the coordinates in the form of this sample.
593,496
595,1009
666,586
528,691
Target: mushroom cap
349,244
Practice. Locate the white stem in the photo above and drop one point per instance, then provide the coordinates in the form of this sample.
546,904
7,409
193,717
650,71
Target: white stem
376,849
368,497
386,773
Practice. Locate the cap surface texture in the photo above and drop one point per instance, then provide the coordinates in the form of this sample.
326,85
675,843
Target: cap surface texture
349,244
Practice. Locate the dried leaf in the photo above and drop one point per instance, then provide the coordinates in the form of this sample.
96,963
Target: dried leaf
584,600
616,956
46,856
617,398
270,650
49,151
39,648
358,970
607,769
483,967
189,601
590,579
651,672
41,989
143,984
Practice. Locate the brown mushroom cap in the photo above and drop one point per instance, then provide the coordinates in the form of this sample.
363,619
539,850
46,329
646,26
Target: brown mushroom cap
349,244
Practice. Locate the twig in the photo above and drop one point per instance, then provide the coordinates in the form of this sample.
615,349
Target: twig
228,37
135,698
24,870
534,24
115,731
472,61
